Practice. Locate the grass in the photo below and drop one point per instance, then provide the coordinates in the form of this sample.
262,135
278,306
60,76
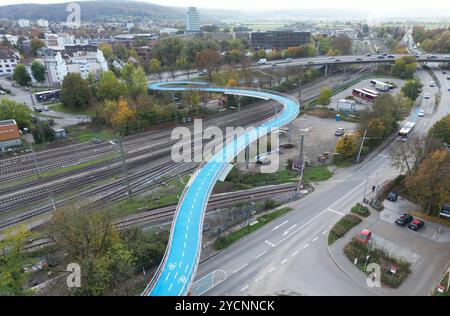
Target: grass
59,107
342,227
86,132
317,173
168,195
444,282
224,242
360,210
358,250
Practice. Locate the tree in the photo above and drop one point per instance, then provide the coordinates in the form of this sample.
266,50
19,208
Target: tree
138,83
208,59
107,51
91,239
325,96
10,109
347,147
75,92
343,44
38,71
21,75
441,130
412,89
183,64
155,67
117,114
12,260
167,51
43,134
109,88
35,45
375,132
127,73
430,185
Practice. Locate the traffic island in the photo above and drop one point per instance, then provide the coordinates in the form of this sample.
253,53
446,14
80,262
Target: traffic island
393,270
443,288
342,227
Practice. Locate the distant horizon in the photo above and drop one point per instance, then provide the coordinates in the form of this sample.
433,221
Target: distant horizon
375,10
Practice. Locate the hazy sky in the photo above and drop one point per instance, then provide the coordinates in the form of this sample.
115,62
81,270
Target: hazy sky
378,5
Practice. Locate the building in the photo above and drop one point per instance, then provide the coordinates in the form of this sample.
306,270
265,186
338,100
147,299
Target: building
82,59
192,20
279,39
42,23
24,23
219,36
9,135
144,52
9,59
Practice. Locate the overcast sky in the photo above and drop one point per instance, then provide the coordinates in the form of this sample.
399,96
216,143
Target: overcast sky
366,5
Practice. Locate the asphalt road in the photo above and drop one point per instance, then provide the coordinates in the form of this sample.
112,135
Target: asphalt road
290,254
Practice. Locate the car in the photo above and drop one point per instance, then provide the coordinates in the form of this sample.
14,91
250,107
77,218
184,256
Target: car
288,59
444,72
391,56
392,196
448,78
2,92
426,96
434,56
385,54
368,54
416,224
421,113
404,220
46,108
364,236
380,57
358,59
338,60
447,57
274,65
432,84
331,57
339,132
310,62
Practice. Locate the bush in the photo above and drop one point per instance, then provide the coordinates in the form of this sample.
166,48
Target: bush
358,209
342,227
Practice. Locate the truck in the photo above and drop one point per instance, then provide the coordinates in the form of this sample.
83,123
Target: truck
346,105
262,61
381,86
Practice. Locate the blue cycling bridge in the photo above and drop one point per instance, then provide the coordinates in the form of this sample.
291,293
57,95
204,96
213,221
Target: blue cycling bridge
178,267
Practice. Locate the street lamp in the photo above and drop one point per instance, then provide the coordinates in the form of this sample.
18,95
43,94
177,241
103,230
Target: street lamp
368,252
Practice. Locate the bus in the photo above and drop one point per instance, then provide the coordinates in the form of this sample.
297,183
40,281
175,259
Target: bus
371,91
46,96
367,96
406,131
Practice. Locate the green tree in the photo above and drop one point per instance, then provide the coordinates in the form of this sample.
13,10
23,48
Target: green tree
107,51
183,64
441,130
12,260
35,45
75,92
138,83
347,147
412,89
325,96
21,75
46,133
10,109
38,71
208,59
155,67
109,88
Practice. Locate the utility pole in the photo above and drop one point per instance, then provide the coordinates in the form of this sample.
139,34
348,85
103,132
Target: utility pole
365,188
35,161
362,145
124,165
301,162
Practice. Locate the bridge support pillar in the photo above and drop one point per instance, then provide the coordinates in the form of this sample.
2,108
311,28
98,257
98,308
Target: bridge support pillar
326,70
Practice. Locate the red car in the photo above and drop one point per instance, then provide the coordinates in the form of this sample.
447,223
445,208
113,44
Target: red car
364,236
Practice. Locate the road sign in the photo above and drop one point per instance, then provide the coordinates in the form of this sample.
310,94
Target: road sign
393,269
440,288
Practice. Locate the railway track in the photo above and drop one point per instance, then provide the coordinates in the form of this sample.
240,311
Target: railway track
165,214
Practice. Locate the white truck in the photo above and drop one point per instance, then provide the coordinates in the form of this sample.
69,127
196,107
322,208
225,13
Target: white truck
262,61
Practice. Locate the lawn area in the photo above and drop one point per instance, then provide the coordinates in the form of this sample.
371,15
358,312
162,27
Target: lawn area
84,133
342,227
355,249
59,107
164,196
262,220
360,210
317,173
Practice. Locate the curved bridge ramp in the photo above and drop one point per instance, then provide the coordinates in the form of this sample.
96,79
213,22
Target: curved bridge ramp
177,270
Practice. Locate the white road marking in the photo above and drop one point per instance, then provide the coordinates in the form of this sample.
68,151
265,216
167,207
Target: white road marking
326,231
167,276
284,223
273,269
284,261
170,287
259,278
269,243
239,269
289,229
260,255
305,246
185,270
244,288
335,212
294,254
315,239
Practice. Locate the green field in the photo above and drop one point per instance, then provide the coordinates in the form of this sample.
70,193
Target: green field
58,107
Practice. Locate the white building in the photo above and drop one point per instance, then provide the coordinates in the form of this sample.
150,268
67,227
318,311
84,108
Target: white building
23,23
12,39
192,20
42,23
82,59
9,59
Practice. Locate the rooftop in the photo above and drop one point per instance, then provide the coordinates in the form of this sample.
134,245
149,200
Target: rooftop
8,130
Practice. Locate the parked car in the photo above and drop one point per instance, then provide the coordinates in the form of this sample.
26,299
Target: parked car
392,196
404,220
368,54
421,113
426,96
416,224
364,236
339,132
432,84
46,108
